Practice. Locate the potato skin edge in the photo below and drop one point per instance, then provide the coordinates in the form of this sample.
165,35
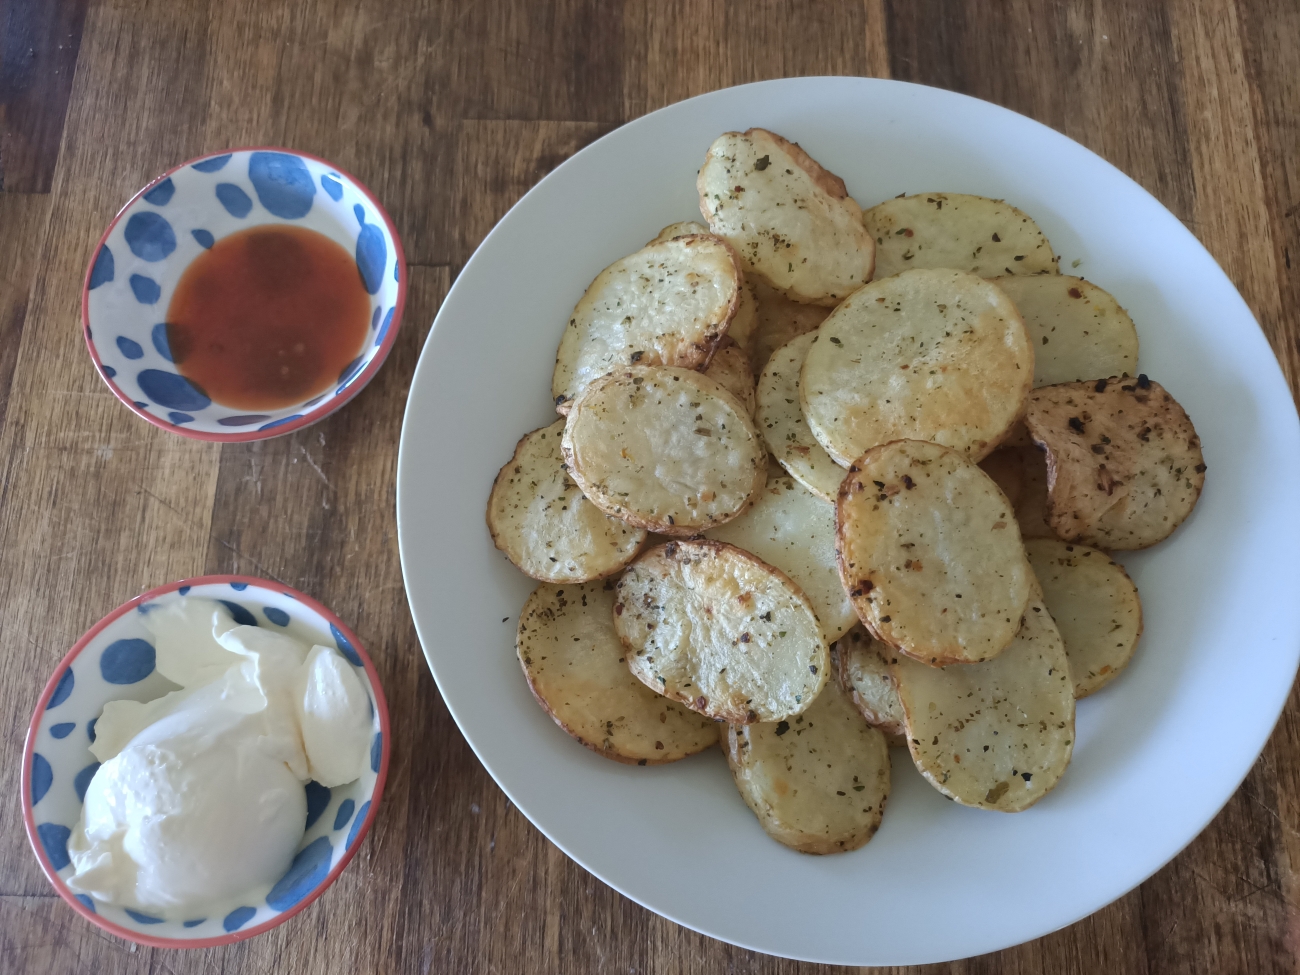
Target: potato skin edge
610,754
492,532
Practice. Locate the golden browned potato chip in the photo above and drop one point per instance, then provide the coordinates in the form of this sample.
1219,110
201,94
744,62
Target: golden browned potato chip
683,228
925,355
575,668
539,518
718,629
665,449
864,673
779,320
1078,331
957,230
997,734
1095,606
791,221
818,781
1124,464
930,553
794,530
779,415
668,304
730,369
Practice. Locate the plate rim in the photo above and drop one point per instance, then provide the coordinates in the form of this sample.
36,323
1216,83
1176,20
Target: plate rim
1276,376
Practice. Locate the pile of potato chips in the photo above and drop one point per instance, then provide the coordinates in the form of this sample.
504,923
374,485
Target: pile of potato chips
829,480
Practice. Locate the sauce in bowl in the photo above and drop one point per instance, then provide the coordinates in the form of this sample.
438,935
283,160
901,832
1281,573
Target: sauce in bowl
269,317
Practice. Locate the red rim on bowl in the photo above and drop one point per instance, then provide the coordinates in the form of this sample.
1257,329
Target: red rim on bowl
307,419
29,817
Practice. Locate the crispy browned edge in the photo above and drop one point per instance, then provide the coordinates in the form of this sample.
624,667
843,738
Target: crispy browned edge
1051,514
853,587
487,516
824,179
675,531
709,343
815,846
822,176
613,756
913,744
894,732
669,551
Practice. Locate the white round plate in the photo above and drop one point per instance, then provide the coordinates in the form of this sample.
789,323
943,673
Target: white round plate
1158,752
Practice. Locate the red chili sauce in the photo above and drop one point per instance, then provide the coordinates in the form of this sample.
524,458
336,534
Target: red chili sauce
269,317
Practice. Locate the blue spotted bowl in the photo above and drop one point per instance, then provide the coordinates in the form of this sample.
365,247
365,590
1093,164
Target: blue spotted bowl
149,244
115,661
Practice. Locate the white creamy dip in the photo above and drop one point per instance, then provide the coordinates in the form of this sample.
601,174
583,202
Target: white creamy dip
199,798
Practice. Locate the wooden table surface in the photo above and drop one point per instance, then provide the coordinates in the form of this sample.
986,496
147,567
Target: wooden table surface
449,111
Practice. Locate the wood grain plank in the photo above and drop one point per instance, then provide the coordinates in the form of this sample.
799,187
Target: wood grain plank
1101,71
362,85
38,53
24,217
1230,216
561,60
95,505
1268,29
679,49
497,162
39,933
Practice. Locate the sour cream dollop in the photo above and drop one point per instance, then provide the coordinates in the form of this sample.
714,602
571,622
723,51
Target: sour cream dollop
199,798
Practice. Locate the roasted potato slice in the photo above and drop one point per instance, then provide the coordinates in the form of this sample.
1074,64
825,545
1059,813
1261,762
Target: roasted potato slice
864,675
997,734
730,369
1078,331
930,553
683,228
779,416
1095,606
665,449
779,320
574,664
791,221
714,627
925,355
1124,463
973,233
817,782
542,522
794,530
668,304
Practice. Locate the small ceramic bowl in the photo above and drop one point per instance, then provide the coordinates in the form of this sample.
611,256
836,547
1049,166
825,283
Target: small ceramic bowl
150,243
115,661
